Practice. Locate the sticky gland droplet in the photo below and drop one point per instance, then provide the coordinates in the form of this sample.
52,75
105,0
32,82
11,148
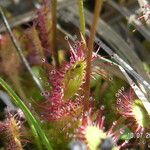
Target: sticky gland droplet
110,79
45,93
43,60
122,88
47,84
117,94
75,46
118,100
102,107
66,37
52,72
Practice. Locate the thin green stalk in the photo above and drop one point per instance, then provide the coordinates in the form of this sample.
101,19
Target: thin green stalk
37,139
97,10
30,118
54,30
82,18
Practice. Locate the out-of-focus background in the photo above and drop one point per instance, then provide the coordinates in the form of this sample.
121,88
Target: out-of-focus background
129,19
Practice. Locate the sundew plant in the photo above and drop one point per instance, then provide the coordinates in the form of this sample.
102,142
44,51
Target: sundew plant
60,91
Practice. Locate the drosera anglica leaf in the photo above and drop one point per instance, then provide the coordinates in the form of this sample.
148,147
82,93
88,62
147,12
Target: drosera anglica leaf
134,110
92,131
44,26
73,79
68,80
65,98
33,122
11,129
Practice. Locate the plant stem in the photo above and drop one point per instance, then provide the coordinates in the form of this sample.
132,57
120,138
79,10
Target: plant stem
54,31
97,10
82,18
29,116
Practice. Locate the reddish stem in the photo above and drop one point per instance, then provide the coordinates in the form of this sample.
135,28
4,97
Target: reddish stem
54,31
97,10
